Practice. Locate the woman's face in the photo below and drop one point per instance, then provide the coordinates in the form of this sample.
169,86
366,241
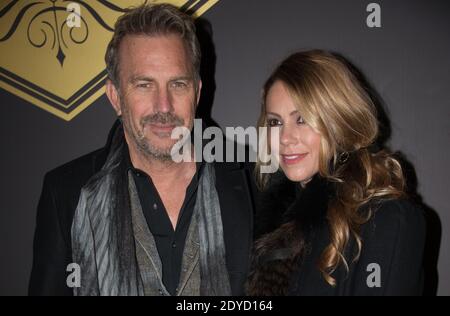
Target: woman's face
299,144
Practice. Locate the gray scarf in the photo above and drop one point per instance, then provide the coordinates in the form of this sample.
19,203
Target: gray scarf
103,239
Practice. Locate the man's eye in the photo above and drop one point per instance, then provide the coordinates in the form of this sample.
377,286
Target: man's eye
179,85
273,122
143,85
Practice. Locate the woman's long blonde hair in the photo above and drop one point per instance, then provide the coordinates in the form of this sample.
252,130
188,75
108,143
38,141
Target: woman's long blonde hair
334,103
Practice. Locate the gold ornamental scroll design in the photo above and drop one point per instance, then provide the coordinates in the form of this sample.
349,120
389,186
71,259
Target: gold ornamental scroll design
57,66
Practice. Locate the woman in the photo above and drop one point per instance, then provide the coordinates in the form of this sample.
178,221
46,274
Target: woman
350,229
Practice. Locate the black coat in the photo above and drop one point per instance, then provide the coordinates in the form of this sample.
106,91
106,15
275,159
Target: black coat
59,199
393,239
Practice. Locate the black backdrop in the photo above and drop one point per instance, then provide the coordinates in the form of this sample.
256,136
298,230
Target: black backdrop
406,62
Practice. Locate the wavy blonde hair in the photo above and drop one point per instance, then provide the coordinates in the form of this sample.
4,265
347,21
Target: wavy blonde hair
335,104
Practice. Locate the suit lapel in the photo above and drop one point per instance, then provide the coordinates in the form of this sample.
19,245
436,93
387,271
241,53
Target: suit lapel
143,236
190,260
237,213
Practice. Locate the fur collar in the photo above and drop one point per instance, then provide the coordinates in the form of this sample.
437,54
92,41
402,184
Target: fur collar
284,201
309,209
299,213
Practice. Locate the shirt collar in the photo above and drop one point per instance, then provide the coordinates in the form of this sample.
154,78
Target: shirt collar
129,165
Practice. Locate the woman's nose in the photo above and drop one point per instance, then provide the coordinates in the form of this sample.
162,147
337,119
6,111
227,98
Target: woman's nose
287,136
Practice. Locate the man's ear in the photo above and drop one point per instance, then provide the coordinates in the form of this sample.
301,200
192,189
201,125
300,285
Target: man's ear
113,96
199,90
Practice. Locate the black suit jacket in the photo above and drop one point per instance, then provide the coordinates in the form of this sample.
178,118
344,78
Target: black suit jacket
61,191
393,242
390,263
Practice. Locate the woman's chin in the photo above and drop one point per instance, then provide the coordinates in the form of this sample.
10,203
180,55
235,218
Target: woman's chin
294,177
297,176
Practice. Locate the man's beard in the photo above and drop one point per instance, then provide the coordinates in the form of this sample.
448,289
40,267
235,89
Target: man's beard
138,134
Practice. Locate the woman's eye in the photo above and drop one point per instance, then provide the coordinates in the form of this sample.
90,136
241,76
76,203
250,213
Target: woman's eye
273,122
300,120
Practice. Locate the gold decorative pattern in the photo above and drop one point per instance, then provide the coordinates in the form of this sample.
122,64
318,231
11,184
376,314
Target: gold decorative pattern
52,51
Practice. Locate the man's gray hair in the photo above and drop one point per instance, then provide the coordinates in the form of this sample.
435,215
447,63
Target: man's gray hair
153,20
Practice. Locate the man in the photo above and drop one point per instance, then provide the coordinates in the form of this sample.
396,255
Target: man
134,221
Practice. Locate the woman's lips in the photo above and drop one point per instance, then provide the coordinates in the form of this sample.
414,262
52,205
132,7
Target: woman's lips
292,159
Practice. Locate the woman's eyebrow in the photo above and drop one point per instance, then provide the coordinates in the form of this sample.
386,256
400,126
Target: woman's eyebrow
275,114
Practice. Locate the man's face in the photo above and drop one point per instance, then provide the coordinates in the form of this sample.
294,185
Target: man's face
157,91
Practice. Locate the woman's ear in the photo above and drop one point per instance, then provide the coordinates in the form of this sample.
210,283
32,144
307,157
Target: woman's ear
113,96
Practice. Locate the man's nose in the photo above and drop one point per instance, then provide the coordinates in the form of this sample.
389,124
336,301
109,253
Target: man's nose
164,101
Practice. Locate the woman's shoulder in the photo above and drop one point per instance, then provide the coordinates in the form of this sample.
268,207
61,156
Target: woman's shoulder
398,210
393,216
390,262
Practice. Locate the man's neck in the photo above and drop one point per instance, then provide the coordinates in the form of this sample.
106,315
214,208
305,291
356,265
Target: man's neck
161,171
169,178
